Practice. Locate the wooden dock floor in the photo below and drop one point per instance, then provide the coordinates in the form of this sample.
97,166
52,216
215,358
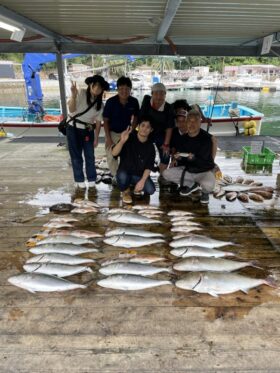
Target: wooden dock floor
157,330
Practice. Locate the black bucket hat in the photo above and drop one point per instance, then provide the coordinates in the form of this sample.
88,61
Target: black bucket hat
98,79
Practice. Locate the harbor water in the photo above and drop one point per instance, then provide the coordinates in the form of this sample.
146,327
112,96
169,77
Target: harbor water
264,102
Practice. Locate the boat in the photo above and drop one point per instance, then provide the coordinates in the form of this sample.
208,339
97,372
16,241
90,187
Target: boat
17,121
230,119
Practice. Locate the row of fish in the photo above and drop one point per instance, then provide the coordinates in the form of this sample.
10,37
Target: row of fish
242,189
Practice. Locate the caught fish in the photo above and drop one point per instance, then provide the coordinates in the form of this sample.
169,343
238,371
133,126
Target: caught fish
220,193
61,207
56,269
62,249
227,179
76,233
119,210
84,210
131,241
132,219
57,225
197,264
64,219
133,258
130,282
243,197
264,194
197,240
231,196
132,269
248,181
131,232
65,239
183,229
215,283
239,180
78,202
181,219
151,212
266,189
237,188
186,252
34,282
179,213
59,258
150,216
178,236
256,184
256,197
145,207
186,223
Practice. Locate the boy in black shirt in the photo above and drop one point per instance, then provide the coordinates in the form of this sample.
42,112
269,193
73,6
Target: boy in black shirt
137,157
197,162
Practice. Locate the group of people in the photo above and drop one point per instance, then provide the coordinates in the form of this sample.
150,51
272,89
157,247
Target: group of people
132,133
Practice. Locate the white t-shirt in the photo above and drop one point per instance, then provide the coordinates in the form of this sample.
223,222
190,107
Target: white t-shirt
81,105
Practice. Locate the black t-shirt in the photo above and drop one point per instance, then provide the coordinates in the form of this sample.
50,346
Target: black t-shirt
160,120
137,156
200,146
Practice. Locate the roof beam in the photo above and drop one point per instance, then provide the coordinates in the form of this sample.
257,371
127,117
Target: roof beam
170,12
134,49
31,25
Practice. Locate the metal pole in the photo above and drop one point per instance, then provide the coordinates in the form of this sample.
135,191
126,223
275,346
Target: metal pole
60,70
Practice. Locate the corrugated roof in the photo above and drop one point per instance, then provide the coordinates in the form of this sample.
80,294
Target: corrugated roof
220,27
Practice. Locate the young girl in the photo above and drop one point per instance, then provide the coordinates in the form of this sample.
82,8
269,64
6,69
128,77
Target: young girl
83,131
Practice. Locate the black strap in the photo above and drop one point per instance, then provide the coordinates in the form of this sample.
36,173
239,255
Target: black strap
183,177
82,113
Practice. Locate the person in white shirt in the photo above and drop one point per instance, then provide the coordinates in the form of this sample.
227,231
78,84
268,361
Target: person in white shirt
83,132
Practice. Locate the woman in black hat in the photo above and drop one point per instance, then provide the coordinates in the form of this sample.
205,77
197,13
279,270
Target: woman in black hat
86,108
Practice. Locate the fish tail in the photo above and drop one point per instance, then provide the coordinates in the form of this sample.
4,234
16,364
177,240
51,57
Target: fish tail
270,281
89,270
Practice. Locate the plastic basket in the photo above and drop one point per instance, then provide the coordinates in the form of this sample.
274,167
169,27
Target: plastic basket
266,157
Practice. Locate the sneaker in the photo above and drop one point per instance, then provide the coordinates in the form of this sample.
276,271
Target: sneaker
91,184
204,199
186,191
137,193
126,197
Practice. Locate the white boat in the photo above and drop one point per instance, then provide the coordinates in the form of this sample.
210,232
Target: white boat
229,119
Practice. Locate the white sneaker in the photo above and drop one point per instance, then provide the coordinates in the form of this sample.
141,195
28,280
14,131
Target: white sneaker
81,185
91,184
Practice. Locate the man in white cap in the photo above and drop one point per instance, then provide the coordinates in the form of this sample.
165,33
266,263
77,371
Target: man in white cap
161,116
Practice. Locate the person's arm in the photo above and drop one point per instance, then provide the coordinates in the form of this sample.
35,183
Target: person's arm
108,138
123,139
72,102
214,146
167,139
96,132
141,183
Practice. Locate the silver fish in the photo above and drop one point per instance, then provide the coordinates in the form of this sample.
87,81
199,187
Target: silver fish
78,202
54,224
198,240
84,210
132,219
215,283
197,264
131,241
119,210
186,223
132,258
64,239
62,249
183,229
179,213
64,219
80,233
132,269
56,269
185,252
220,193
59,258
151,212
40,282
180,219
130,282
145,207
131,232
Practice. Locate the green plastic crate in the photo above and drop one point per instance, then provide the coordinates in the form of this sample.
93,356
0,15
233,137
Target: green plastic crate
266,157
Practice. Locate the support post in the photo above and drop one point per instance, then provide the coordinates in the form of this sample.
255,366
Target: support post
60,70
